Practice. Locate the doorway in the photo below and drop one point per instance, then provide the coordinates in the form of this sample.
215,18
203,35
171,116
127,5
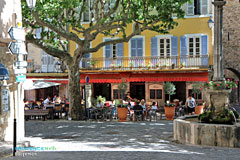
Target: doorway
102,89
137,90
180,92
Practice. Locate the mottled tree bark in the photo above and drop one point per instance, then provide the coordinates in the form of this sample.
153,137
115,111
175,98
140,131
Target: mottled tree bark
75,110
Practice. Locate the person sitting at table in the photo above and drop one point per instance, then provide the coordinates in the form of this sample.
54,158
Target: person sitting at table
142,103
58,100
46,101
54,98
128,97
138,110
152,111
99,104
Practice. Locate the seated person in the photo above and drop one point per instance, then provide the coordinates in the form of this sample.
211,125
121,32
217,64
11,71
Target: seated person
154,107
99,104
138,109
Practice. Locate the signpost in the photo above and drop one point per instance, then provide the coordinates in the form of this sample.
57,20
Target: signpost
20,78
20,71
17,34
18,47
20,64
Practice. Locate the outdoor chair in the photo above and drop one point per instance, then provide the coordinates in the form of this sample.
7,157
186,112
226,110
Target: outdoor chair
94,114
114,113
58,110
160,111
108,114
152,113
138,115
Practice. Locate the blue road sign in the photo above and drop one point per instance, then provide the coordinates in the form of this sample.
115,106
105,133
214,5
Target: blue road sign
21,78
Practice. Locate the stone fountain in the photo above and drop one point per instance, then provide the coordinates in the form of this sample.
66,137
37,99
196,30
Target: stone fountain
188,130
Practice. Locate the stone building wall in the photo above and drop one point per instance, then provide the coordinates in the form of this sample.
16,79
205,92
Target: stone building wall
231,42
231,34
10,15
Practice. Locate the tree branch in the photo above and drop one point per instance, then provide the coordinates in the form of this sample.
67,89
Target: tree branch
62,33
63,55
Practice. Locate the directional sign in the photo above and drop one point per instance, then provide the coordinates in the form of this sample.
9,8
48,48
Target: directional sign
20,71
20,64
17,48
21,78
17,34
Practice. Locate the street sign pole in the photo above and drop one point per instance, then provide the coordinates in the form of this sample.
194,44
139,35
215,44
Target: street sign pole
17,47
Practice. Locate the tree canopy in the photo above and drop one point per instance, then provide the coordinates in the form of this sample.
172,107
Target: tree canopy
82,21
106,17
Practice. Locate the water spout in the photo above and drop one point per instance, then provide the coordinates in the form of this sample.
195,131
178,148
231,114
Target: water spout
234,116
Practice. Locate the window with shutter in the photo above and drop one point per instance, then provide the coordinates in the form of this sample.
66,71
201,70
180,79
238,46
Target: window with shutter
204,7
197,7
190,8
194,50
164,47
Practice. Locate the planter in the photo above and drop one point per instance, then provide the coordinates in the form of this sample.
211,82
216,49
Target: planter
199,109
169,112
122,114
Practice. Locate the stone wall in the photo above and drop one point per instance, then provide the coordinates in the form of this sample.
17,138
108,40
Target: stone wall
187,132
231,34
6,118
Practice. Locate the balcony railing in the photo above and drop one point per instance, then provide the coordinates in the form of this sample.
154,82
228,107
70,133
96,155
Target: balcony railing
147,63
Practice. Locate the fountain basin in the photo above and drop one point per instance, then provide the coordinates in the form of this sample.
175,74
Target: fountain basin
189,131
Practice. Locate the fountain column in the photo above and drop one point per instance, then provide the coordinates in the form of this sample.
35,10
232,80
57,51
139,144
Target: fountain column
218,74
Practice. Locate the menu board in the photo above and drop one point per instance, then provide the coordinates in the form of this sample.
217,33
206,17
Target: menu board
88,94
4,100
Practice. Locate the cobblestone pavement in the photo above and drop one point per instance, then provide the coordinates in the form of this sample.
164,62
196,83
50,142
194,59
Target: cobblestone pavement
113,140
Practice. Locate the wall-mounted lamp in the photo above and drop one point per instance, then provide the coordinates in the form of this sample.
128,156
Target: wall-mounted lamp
31,3
210,23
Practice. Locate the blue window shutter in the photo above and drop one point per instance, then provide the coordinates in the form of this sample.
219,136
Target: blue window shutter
120,53
107,54
133,47
107,50
120,50
174,50
139,47
154,47
154,50
204,50
183,49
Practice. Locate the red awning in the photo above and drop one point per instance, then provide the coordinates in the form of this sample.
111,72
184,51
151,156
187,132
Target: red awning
139,77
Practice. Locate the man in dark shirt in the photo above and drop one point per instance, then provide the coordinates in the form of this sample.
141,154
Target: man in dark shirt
138,110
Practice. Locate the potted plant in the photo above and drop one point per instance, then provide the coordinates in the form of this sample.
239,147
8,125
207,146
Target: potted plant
113,65
169,88
149,65
119,66
173,65
102,99
92,63
122,110
169,109
182,65
158,65
130,65
197,89
165,65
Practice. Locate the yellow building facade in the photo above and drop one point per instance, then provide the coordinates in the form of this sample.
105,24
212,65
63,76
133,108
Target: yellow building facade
183,56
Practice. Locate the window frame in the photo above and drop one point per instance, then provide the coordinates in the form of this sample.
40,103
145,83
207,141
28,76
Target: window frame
155,96
118,94
116,48
165,37
200,8
194,53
